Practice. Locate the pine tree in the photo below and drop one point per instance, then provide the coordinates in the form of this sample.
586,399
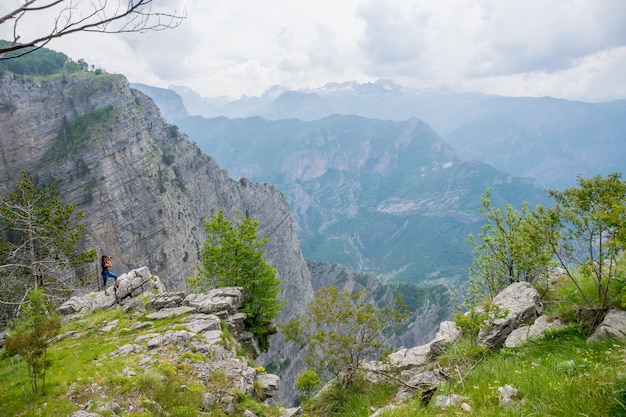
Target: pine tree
231,256
39,244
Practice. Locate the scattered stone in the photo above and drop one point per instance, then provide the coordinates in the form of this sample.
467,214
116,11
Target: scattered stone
381,412
126,349
83,413
508,395
447,401
109,326
141,324
535,331
248,413
292,412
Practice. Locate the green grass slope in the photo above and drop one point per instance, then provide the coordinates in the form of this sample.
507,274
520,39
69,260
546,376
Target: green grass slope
83,373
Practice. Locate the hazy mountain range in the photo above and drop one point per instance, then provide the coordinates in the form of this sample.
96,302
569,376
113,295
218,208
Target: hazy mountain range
549,139
391,197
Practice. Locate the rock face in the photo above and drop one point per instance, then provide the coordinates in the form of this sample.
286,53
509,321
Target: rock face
144,188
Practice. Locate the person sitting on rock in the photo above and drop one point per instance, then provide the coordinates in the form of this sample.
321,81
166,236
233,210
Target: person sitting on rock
105,263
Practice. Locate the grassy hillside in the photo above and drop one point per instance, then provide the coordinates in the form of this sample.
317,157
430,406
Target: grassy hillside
84,374
562,374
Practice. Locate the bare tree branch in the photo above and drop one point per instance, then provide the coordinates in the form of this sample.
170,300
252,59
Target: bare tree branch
73,16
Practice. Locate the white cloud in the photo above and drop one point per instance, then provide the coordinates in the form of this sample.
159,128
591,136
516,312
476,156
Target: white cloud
573,49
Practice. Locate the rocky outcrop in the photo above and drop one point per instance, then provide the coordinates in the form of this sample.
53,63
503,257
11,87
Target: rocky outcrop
202,316
521,304
132,284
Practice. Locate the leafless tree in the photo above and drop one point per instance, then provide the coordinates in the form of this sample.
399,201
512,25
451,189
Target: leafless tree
56,18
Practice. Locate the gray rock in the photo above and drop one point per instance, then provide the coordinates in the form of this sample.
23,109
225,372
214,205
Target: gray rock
166,300
384,411
226,299
141,324
131,284
126,350
292,412
417,357
267,385
613,325
170,312
171,337
423,380
199,323
447,401
507,395
522,305
520,335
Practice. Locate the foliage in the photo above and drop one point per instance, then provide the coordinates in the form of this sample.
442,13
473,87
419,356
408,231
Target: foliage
39,248
40,62
593,218
307,382
514,246
340,331
76,134
472,322
231,256
31,334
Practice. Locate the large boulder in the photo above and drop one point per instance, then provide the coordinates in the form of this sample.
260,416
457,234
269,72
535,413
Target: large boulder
227,300
131,284
613,325
521,304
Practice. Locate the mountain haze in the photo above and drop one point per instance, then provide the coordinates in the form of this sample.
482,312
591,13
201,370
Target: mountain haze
382,196
549,139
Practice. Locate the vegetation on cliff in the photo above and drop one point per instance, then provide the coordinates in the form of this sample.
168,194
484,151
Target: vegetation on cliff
39,245
232,256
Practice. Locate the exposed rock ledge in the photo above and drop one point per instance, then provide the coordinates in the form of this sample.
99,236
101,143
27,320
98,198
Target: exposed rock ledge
205,313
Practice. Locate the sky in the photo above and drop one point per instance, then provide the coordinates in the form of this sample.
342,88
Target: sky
572,49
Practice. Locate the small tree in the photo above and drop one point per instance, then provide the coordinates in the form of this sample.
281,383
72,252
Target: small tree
39,245
57,18
593,219
513,246
340,331
231,256
30,337
307,382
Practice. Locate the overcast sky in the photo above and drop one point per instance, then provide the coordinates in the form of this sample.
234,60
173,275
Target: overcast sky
569,49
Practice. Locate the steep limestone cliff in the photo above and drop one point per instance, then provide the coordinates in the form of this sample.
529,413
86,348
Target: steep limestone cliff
144,188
